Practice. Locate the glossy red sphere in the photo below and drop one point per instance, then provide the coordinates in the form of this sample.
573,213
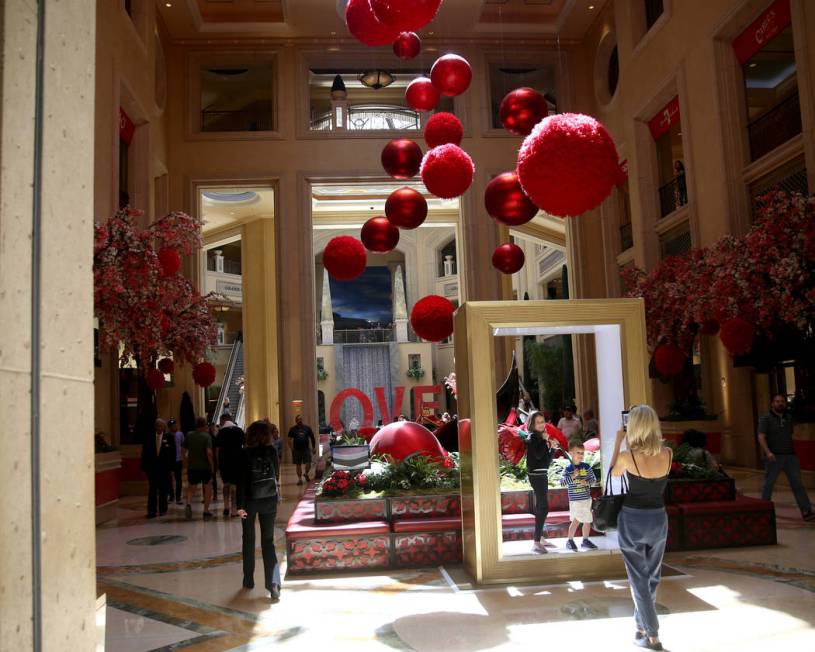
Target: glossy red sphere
344,258
406,208
379,235
402,439
451,75
507,202
421,95
508,258
364,25
521,110
402,158
407,45
406,15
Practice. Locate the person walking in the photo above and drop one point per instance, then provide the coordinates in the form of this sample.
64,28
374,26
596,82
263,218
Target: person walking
642,525
175,492
258,493
300,435
775,439
198,445
569,424
157,461
539,451
229,444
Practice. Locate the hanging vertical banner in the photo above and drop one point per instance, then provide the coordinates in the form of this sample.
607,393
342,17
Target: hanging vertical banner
668,116
766,27
126,127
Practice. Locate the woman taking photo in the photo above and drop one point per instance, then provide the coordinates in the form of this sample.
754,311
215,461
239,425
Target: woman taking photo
539,451
642,526
257,496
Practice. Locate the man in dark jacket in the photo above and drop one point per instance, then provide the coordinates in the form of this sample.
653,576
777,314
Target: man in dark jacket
157,461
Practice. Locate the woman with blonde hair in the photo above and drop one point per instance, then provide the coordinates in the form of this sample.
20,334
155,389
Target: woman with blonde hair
642,526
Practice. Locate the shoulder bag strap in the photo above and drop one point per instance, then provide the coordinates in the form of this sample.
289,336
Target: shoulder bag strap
635,463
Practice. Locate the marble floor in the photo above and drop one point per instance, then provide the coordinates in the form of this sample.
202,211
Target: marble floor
176,584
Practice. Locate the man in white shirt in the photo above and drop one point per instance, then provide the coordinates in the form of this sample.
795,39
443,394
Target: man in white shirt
569,424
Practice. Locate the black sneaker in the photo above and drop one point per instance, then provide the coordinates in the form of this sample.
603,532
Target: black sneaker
188,512
299,481
247,584
809,516
207,516
307,478
226,512
588,545
275,593
570,544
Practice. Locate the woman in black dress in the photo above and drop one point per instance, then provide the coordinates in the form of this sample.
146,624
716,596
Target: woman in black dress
539,452
257,497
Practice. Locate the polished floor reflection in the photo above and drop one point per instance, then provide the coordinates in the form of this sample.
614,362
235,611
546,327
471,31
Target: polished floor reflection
176,584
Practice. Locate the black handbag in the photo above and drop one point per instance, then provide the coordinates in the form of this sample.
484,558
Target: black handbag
607,507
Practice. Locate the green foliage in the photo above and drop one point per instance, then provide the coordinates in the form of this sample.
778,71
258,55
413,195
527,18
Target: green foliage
507,469
349,438
388,477
546,363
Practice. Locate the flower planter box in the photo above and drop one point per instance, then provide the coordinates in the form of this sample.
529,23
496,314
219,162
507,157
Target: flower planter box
516,502
406,507
354,509
699,491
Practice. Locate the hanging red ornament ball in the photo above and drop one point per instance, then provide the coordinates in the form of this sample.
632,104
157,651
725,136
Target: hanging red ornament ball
402,439
521,110
406,208
365,26
737,335
344,257
166,365
154,379
709,327
451,75
169,260
432,318
406,15
507,202
379,235
407,45
508,258
421,95
669,360
402,158
443,128
203,374
447,171
568,164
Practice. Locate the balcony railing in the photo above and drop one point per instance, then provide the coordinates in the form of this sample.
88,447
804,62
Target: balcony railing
775,127
373,118
363,336
673,195
626,237
237,121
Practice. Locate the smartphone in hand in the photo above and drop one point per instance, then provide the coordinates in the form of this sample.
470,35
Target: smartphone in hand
625,420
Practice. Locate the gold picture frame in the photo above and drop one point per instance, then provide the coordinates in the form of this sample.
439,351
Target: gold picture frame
618,326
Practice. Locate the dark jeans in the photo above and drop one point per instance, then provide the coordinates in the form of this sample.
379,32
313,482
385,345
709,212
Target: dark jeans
158,486
792,467
540,485
177,474
266,517
641,534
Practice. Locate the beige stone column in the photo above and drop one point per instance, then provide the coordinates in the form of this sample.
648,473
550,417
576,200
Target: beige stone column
57,610
260,337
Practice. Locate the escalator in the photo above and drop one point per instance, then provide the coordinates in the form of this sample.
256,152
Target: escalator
231,398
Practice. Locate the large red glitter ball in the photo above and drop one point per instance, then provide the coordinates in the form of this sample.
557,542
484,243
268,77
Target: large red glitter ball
402,158
521,110
432,318
568,164
169,260
365,26
166,365
407,45
507,202
203,374
421,95
451,75
508,258
401,439
154,379
443,128
379,235
406,208
447,171
344,257
737,335
406,15
669,360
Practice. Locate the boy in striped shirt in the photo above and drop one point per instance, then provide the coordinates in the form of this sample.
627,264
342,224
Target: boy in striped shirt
579,478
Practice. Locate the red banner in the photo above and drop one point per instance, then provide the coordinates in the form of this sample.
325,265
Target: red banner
767,26
668,116
126,127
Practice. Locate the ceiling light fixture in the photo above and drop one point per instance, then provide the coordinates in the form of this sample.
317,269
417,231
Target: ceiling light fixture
376,79
591,7
168,4
753,65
